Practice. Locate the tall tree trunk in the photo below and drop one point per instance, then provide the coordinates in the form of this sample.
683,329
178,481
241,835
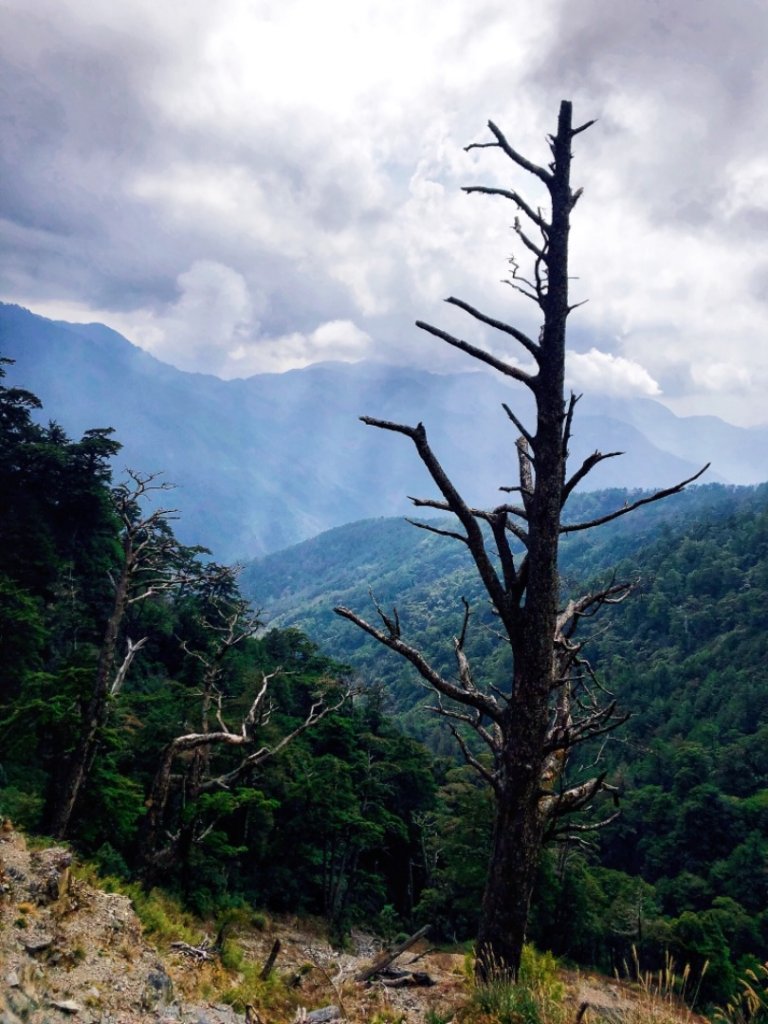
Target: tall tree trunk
95,715
515,852
519,823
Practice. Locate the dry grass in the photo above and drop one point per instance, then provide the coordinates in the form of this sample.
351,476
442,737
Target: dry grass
664,996
750,1004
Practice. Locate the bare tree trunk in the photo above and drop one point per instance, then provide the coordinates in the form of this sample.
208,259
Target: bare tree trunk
517,841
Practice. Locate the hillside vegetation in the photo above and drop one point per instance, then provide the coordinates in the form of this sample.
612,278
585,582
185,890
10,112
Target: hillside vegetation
685,866
358,820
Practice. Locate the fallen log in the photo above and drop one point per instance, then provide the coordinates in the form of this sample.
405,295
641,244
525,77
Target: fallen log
407,979
385,959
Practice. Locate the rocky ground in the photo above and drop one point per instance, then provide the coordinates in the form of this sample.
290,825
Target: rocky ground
69,952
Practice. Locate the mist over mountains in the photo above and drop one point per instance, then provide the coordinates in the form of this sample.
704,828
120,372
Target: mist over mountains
268,461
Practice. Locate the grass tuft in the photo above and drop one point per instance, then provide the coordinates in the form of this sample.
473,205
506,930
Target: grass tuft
537,997
665,995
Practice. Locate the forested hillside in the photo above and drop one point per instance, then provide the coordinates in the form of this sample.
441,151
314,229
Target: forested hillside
354,819
179,787
425,575
686,863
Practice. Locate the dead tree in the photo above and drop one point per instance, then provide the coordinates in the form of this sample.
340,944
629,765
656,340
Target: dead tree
531,723
229,623
152,563
246,737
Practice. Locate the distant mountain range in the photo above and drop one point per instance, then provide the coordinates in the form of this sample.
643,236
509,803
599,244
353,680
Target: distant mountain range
268,461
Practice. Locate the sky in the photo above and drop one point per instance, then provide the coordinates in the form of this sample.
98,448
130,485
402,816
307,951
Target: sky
251,186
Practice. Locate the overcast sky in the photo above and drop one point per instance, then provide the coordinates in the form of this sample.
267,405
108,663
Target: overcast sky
254,185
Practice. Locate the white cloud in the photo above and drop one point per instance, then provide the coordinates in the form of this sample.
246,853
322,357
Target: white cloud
721,376
337,340
212,315
602,373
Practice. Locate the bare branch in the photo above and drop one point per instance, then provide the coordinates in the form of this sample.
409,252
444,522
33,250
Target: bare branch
583,127
131,652
614,593
569,423
466,516
516,157
524,433
485,357
499,325
392,625
625,509
499,525
473,698
435,529
490,777
317,712
538,251
516,198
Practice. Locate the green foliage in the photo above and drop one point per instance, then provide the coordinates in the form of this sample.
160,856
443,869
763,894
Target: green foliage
687,656
456,843
356,821
536,997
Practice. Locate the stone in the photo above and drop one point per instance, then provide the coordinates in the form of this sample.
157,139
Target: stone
158,990
9,1017
20,1003
38,944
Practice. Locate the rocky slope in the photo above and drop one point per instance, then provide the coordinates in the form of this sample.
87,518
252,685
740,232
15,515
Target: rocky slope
72,952
69,952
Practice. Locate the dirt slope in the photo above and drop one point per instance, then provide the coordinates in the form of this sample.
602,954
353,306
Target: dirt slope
69,952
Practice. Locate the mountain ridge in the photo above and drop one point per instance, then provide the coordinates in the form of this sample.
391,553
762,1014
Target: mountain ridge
267,461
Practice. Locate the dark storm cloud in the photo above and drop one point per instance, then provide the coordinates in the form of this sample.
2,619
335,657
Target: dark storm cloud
74,125
84,120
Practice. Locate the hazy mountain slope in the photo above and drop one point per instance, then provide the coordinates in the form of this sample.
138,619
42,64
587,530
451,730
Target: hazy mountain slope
736,454
265,462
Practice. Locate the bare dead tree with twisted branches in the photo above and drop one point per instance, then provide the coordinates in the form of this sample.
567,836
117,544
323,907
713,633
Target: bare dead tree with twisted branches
552,702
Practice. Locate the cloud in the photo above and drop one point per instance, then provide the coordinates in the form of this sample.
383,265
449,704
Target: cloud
212,326
602,373
212,315
338,340
722,376
230,178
